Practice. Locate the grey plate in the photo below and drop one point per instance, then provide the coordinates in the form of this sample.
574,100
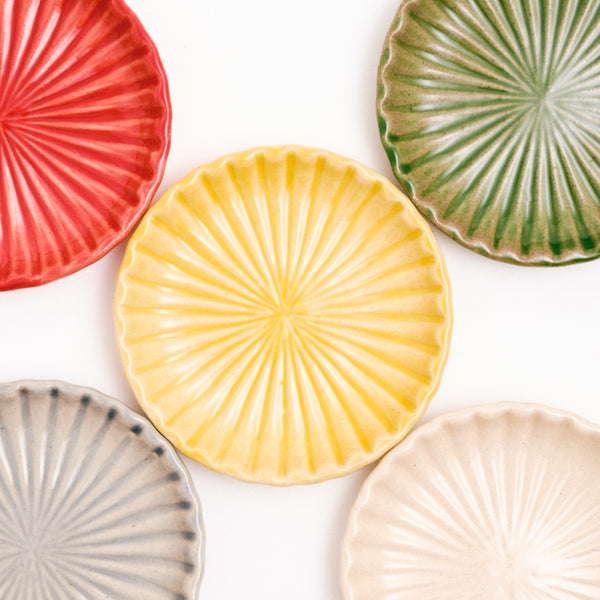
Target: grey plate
94,503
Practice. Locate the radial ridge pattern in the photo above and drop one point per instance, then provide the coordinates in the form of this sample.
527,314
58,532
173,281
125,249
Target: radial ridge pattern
93,502
488,112
84,133
496,503
283,315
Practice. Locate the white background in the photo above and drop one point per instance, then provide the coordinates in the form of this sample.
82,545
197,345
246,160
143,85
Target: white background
245,73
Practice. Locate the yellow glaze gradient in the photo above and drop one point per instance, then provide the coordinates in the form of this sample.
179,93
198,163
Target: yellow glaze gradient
283,315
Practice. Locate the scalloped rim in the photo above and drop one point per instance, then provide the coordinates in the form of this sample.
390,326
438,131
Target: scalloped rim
407,184
85,260
130,418
126,358
488,411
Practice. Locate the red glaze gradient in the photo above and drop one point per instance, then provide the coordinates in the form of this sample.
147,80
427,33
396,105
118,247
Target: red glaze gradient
85,130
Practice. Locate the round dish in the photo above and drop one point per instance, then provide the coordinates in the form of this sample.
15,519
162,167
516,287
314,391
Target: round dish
487,111
94,503
283,315
490,503
85,125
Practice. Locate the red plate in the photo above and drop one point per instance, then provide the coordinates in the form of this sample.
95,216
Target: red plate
85,126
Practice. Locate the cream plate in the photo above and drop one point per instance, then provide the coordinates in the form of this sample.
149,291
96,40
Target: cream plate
490,503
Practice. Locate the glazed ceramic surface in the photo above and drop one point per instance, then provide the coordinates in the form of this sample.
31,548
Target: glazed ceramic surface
489,503
85,125
94,503
488,112
283,315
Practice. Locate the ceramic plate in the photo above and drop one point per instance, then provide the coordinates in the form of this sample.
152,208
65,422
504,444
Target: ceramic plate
85,123
94,503
283,315
488,111
490,503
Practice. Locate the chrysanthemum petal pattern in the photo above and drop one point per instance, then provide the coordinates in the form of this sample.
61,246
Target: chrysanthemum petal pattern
494,503
84,133
488,112
283,315
94,503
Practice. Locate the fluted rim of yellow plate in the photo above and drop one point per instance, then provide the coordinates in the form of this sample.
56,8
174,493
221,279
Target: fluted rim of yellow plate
156,417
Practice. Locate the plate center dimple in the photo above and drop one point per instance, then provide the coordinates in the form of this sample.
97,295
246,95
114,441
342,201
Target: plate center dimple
513,571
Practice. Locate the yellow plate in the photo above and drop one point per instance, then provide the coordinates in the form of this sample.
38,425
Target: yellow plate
283,315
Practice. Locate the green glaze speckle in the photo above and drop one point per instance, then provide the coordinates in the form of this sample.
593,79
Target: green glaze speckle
488,113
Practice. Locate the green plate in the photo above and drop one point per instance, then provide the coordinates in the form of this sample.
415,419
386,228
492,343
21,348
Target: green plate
489,111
